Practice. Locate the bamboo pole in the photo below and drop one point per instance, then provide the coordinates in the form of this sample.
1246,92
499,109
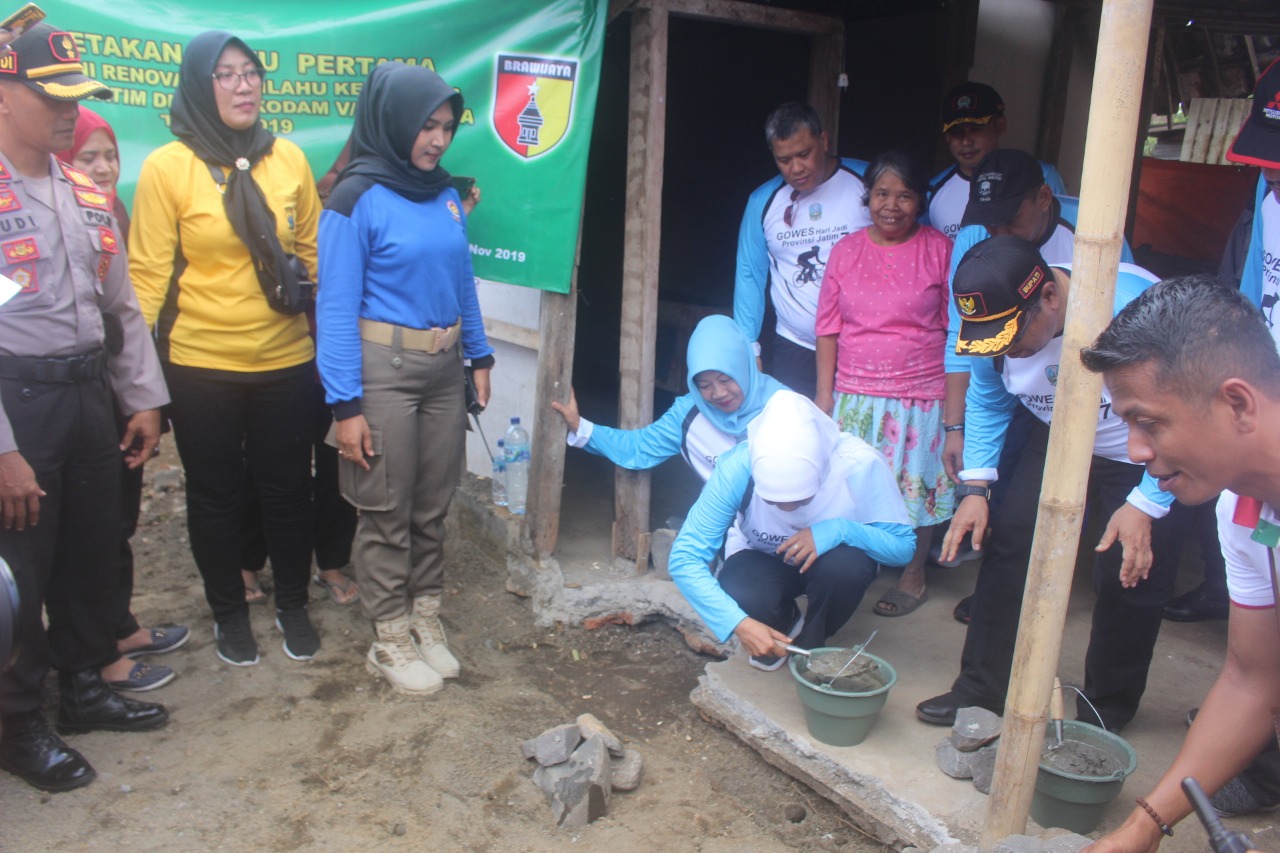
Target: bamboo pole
1113,123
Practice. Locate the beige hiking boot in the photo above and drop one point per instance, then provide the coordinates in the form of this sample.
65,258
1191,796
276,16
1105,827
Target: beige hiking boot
394,657
427,635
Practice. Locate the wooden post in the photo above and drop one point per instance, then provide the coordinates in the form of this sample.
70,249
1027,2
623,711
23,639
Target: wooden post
826,61
1151,82
558,320
646,133
1113,121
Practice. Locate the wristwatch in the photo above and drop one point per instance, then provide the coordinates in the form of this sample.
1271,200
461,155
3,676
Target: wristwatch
981,491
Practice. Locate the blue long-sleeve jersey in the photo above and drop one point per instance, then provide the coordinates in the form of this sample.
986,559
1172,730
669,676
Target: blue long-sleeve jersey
717,509
396,261
990,403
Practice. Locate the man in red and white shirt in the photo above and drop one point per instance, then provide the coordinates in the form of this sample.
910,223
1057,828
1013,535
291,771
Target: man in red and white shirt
1193,370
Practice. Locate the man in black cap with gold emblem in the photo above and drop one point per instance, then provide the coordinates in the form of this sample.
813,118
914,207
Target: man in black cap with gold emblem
71,337
1012,307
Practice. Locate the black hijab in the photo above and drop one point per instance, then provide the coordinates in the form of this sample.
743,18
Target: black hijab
194,119
394,104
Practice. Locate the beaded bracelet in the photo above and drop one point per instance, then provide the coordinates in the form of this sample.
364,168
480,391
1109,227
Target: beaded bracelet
1164,827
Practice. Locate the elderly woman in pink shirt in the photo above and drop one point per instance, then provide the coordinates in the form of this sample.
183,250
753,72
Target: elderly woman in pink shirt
882,329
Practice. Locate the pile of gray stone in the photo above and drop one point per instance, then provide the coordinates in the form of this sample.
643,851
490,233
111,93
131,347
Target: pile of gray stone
580,765
969,752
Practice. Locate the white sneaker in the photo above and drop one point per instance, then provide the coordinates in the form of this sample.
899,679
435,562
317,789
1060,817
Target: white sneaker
427,635
394,657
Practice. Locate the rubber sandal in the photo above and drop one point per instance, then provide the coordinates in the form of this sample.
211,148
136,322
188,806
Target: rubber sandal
901,602
338,590
254,595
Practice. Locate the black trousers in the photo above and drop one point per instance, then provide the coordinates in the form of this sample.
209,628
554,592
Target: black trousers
225,424
1126,622
334,520
130,508
795,366
67,434
766,588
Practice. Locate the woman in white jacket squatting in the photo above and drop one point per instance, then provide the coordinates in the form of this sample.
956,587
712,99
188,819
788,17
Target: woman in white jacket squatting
802,509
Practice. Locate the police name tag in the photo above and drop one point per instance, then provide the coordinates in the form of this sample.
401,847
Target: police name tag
8,289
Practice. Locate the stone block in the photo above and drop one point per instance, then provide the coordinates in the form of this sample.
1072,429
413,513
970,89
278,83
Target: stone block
589,724
953,762
1065,842
578,789
166,479
983,765
1019,844
954,847
660,551
626,771
554,746
974,728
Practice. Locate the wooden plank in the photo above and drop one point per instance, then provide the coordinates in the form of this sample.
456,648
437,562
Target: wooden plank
1224,130
1195,144
646,137
749,15
1237,110
826,61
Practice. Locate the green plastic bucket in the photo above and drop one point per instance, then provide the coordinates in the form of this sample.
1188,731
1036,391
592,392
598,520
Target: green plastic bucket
837,717
1077,802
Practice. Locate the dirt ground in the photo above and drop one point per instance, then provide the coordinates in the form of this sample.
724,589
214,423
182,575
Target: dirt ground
322,756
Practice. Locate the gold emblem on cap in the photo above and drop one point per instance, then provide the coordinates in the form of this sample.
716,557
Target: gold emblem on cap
967,305
992,345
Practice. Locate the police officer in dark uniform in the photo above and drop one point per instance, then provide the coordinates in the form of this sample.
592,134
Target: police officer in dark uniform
71,337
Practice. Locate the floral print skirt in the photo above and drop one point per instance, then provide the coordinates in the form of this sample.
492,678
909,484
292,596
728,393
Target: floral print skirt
908,433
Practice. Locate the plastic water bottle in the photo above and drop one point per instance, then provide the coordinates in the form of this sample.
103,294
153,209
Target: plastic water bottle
517,456
500,476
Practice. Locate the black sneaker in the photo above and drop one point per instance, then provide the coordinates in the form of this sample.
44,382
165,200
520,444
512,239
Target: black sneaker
236,644
301,642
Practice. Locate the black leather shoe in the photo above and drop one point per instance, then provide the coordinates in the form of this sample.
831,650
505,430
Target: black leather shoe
33,753
941,710
88,704
961,610
1200,604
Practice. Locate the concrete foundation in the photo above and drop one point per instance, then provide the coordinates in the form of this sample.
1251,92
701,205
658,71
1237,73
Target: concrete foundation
889,785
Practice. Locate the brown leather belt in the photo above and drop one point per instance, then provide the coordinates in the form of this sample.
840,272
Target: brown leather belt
430,341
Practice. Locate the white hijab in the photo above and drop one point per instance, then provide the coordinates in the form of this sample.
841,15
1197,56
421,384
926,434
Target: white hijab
793,444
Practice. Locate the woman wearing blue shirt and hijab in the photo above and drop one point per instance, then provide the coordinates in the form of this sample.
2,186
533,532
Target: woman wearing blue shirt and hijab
397,313
726,392
802,509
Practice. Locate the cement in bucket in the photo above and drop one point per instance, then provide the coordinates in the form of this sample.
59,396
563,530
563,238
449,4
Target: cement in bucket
1077,801
839,717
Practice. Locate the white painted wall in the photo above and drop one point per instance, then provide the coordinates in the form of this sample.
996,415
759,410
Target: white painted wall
510,312
1014,37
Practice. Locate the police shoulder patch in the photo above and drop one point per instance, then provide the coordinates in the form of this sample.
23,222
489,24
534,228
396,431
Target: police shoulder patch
17,251
77,177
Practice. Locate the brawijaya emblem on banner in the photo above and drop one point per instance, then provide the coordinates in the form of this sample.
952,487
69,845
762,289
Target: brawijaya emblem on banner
533,102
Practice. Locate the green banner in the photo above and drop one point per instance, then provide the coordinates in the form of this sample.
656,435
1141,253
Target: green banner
527,69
